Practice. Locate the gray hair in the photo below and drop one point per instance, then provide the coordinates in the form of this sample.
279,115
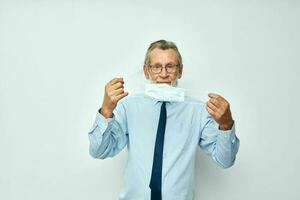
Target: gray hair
164,45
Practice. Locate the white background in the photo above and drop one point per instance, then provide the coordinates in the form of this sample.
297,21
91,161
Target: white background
56,57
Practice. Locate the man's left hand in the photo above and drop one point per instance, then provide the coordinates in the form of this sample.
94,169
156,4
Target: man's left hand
219,109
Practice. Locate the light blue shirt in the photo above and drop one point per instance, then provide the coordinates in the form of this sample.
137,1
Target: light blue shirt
134,124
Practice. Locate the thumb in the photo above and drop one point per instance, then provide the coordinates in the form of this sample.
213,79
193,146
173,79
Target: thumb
213,95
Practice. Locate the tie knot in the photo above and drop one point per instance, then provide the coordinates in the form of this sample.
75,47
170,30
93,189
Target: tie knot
163,105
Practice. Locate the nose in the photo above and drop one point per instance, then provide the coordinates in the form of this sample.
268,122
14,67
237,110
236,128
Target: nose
163,72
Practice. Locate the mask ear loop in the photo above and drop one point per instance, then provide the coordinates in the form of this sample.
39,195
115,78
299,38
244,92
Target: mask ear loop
197,94
134,82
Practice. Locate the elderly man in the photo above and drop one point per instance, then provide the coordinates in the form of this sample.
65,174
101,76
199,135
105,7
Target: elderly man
161,136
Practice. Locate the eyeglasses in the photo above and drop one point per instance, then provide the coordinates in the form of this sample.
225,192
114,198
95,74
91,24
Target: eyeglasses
157,68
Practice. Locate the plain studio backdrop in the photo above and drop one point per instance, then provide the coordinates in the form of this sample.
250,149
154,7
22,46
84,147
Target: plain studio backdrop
57,56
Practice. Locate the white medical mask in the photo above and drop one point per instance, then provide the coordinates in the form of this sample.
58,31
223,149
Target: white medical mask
164,92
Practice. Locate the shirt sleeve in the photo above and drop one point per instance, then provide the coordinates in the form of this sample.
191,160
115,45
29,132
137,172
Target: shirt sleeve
108,136
221,145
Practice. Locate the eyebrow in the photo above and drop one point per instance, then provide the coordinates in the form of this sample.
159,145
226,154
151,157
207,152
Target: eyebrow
165,64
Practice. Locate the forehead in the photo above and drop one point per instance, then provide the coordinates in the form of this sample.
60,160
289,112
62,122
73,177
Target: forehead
164,56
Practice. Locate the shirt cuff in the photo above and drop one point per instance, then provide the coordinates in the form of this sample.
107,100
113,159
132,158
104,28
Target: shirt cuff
228,135
101,122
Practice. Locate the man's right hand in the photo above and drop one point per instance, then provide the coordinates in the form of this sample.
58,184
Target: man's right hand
114,91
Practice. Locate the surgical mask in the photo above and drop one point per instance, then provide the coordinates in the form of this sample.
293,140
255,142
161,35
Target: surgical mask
135,84
164,92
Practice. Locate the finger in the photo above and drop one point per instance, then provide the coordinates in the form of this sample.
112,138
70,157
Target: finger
115,80
213,95
212,106
120,96
210,111
215,102
117,85
117,92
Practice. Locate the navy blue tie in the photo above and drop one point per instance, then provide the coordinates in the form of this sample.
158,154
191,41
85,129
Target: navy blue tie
155,182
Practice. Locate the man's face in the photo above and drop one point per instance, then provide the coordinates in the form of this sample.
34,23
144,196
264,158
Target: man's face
165,58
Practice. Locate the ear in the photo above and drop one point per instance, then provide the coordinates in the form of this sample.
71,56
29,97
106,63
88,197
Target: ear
180,72
146,72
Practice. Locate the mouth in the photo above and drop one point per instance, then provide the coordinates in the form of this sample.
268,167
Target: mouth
163,82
